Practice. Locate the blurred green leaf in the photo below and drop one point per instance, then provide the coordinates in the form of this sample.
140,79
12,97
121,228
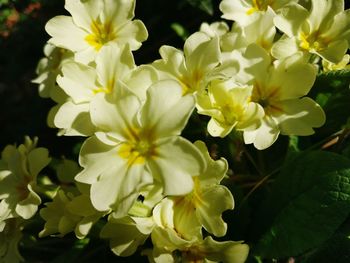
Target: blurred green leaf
204,5
322,98
3,2
310,199
180,30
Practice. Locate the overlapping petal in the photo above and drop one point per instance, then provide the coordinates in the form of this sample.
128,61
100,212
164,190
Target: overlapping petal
175,109
66,34
176,179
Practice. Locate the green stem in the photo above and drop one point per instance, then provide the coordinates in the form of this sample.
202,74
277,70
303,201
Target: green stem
257,185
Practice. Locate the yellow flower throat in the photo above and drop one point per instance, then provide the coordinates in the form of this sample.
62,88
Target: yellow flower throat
101,33
138,148
259,5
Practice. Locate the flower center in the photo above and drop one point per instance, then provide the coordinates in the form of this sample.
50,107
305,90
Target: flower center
101,33
107,89
22,190
190,255
232,113
138,148
313,42
259,5
193,256
268,98
190,84
192,200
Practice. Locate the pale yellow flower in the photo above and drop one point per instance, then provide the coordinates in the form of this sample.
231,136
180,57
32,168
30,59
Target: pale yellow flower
134,144
126,234
82,83
194,67
281,89
324,30
343,64
245,12
261,31
229,106
170,247
69,212
95,23
10,237
49,68
19,168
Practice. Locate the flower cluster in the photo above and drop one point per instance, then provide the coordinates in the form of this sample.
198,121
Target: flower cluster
137,169
19,168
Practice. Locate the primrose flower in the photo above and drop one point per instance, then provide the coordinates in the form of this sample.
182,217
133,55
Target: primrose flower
49,68
194,67
9,239
201,207
187,214
214,29
324,30
95,23
19,168
261,31
68,212
222,31
82,83
280,89
246,11
170,247
133,146
58,219
343,64
126,234
229,105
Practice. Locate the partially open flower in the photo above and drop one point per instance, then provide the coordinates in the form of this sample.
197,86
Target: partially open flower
170,247
230,107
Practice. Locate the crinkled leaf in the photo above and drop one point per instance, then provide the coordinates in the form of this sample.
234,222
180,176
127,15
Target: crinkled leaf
309,201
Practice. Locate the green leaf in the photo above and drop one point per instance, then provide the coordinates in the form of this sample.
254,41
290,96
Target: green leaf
336,74
309,200
74,254
335,250
332,92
